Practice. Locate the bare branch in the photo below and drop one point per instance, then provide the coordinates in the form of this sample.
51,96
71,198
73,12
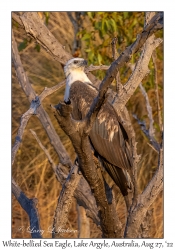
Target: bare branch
65,200
29,205
140,71
115,55
34,26
22,77
149,110
155,186
100,67
152,140
152,147
154,57
24,120
49,91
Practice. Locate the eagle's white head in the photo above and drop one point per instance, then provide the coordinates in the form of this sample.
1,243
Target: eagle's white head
74,71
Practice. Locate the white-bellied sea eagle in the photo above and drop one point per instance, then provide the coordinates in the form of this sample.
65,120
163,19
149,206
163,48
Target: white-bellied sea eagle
108,137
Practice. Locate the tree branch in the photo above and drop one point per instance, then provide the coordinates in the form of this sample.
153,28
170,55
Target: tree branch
35,27
65,200
29,205
152,140
140,71
149,110
154,57
115,55
24,120
51,90
93,68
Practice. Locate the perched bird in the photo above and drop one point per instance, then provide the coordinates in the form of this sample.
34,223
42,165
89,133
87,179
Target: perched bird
107,136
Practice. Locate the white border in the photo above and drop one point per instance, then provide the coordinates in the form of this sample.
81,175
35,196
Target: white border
5,93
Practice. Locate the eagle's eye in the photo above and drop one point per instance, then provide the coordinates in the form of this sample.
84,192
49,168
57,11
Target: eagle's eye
75,62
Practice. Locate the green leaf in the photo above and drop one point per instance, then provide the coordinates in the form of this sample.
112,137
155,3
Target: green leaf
99,57
86,36
103,26
98,25
113,24
37,47
23,45
134,23
91,56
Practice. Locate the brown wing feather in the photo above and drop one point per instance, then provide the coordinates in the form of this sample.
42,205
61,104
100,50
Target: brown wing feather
108,137
117,175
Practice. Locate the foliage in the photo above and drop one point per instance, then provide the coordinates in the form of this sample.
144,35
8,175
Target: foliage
104,27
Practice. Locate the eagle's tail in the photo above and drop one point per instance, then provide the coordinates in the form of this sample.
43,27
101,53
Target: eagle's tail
117,176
